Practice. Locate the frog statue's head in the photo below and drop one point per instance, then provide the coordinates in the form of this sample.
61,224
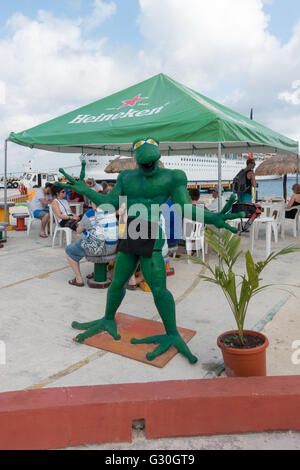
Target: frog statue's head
147,155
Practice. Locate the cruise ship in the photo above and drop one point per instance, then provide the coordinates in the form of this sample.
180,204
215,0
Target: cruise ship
198,168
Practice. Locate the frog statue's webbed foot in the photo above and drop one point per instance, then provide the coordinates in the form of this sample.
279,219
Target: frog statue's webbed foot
165,343
94,327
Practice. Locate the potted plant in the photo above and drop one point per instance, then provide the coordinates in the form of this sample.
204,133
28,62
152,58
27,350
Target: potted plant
244,351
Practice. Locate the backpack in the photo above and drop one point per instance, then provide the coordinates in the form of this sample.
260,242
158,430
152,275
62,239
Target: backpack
239,183
252,212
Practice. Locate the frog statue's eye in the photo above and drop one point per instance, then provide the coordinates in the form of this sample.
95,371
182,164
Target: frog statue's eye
152,141
138,144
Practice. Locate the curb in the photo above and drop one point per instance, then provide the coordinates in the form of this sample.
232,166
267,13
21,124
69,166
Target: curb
73,416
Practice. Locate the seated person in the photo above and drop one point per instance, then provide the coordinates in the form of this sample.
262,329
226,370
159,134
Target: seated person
61,209
40,209
194,194
104,187
213,206
91,183
75,197
294,201
110,186
102,228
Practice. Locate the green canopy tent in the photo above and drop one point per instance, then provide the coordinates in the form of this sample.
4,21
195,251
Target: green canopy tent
183,120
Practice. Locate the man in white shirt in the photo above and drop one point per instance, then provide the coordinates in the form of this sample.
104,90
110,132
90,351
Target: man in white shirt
213,206
40,209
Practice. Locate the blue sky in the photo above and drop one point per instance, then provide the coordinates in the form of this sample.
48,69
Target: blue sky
119,28
283,16
221,48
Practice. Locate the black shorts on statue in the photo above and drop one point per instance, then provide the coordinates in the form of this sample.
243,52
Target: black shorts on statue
139,237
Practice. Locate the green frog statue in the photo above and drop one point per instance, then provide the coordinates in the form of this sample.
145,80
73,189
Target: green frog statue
146,190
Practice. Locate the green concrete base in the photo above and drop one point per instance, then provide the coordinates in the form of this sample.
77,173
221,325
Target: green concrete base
100,272
100,280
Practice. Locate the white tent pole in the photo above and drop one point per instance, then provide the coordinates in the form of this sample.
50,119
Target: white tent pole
219,177
297,167
5,184
5,181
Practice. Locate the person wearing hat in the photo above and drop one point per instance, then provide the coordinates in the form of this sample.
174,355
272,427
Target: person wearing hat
213,206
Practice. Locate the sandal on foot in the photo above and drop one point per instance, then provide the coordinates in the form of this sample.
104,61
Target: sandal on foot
131,286
90,276
44,236
73,282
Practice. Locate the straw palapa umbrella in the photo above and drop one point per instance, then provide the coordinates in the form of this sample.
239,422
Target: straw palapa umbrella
123,163
279,165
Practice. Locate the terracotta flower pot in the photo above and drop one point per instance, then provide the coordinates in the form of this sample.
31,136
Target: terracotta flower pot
244,362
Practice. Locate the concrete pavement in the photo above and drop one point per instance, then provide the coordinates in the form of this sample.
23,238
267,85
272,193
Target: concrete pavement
37,307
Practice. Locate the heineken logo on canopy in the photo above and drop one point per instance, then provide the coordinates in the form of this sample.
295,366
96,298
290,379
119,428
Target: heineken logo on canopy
132,101
127,113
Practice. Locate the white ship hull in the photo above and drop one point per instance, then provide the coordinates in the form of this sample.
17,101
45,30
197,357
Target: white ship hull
198,169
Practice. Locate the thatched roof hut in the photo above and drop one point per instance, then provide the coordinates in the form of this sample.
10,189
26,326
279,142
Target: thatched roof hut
279,165
123,163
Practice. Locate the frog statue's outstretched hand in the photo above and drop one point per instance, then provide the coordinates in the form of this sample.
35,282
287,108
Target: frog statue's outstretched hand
79,186
75,184
148,186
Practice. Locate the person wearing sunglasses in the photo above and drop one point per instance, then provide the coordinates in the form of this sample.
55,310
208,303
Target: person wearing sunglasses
61,209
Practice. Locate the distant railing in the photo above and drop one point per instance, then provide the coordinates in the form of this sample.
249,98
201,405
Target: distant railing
18,199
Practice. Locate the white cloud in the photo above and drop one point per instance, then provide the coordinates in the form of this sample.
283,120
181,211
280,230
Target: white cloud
50,69
291,97
2,92
219,45
222,48
101,12
205,42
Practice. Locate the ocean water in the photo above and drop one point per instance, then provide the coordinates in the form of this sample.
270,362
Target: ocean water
275,187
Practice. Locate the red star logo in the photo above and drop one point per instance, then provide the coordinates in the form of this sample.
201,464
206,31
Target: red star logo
132,101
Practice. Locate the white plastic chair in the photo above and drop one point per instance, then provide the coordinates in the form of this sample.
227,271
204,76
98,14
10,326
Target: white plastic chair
276,211
31,219
193,234
60,230
294,222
